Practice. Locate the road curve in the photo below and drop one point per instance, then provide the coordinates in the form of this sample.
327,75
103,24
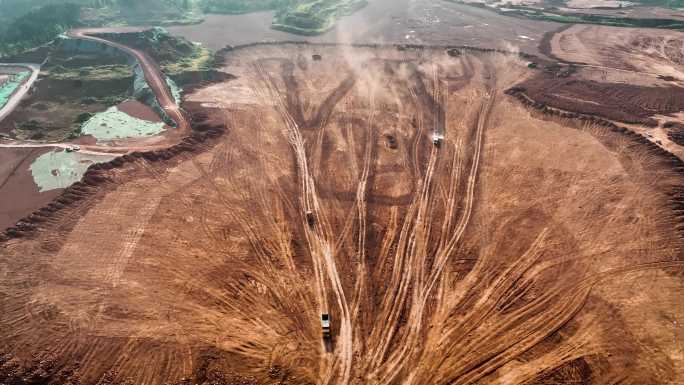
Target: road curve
19,93
153,75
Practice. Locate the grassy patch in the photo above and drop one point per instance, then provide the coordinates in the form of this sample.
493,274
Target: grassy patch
141,12
240,6
582,18
305,17
25,24
200,60
175,55
89,73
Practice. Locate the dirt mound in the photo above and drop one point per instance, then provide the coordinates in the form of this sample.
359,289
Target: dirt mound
616,101
675,132
670,48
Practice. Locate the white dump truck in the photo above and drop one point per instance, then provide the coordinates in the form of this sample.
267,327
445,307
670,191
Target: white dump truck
325,326
437,139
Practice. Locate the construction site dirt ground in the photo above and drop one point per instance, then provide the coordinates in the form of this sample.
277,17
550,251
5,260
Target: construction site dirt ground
642,50
523,249
633,76
20,195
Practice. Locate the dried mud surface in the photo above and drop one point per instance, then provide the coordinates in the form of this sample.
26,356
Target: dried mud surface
529,247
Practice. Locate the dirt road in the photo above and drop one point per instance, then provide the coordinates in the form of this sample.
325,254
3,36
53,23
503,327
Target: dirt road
85,148
21,91
155,78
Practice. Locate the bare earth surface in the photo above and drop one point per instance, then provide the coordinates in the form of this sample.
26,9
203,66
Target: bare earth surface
525,249
138,110
652,51
632,76
19,193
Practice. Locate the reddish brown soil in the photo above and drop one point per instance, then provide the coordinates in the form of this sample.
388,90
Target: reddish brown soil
526,249
675,132
139,110
20,195
616,101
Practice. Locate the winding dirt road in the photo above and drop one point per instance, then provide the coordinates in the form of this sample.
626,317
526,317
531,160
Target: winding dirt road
153,75
21,91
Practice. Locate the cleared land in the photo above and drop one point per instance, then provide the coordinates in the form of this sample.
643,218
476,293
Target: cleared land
632,76
652,51
525,249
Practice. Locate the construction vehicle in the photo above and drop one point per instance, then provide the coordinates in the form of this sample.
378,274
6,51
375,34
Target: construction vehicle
310,219
437,140
325,326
